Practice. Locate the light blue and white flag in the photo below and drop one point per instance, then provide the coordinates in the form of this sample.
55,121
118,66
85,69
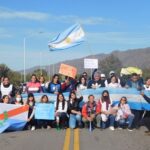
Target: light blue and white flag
73,36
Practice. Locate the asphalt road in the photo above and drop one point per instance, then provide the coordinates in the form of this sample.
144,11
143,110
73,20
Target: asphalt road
75,140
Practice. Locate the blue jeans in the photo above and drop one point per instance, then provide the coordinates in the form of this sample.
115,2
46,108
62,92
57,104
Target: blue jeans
111,119
73,119
128,121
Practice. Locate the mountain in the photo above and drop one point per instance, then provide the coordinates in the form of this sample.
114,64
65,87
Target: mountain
132,57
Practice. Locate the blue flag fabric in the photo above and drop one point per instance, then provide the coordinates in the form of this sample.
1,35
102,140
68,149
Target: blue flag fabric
73,36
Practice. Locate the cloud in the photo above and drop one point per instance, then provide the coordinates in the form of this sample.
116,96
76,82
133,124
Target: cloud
4,33
6,13
30,15
130,38
86,21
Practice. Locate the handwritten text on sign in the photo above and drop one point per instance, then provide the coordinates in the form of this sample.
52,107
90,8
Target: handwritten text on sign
91,63
44,111
68,70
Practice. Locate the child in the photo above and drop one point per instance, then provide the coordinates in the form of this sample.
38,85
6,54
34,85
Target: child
61,111
31,121
18,99
5,99
44,123
124,114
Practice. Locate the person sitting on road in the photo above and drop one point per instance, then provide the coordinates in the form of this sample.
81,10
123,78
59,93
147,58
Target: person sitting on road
44,123
124,114
107,112
31,121
74,110
5,99
61,108
91,112
18,99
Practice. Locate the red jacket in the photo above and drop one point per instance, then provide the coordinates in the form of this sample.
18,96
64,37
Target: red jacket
87,108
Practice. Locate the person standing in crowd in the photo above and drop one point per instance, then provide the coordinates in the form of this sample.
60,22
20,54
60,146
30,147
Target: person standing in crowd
6,88
68,85
33,86
43,84
54,86
74,110
103,78
5,99
31,120
91,112
18,99
113,83
82,85
107,113
134,82
96,82
85,75
61,108
124,115
111,74
40,122
147,85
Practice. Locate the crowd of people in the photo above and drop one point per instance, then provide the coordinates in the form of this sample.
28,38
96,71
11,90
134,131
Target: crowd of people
73,112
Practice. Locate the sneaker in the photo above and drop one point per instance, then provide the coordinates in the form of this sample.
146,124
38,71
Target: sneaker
130,129
112,128
119,128
32,128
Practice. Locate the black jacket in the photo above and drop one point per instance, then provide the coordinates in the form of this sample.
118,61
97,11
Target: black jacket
75,105
146,98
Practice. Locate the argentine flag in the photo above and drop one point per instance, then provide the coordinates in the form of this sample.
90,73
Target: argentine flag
73,36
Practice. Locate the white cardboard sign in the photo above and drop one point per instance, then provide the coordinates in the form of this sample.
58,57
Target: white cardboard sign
90,63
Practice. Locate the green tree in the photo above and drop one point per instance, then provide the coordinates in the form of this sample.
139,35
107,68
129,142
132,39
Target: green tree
4,70
110,63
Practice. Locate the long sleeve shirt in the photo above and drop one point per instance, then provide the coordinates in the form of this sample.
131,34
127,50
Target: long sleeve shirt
60,107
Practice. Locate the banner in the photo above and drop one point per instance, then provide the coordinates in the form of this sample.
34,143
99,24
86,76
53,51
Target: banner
135,100
130,70
44,111
90,63
13,117
67,70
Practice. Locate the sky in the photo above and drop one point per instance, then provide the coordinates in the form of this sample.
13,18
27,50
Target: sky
108,25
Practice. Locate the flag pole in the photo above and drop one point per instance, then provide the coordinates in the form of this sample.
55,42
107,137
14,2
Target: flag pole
24,58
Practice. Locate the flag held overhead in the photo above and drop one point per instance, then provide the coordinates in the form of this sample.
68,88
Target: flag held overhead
71,37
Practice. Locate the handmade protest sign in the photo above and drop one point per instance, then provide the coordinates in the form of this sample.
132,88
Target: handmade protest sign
67,70
90,63
44,111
